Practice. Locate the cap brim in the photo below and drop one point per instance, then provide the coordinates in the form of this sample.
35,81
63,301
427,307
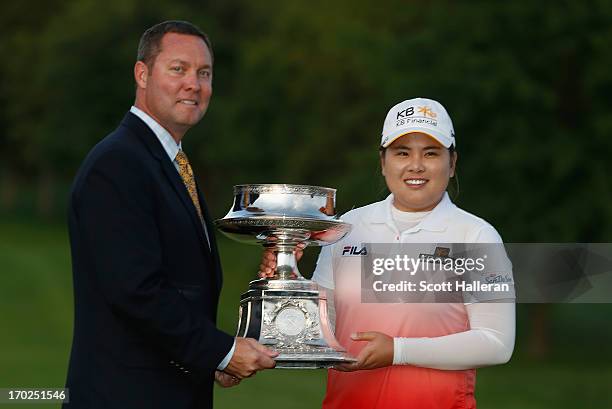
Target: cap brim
444,141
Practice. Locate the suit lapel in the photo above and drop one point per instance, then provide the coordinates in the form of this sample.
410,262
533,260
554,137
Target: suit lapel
157,150
181,191
213,241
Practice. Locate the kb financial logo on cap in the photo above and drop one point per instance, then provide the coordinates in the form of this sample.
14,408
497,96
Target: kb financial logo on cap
426,111
427,117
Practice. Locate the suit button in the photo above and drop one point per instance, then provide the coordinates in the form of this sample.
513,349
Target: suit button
171,362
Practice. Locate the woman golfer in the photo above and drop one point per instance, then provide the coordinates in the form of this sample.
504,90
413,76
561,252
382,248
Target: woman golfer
417,355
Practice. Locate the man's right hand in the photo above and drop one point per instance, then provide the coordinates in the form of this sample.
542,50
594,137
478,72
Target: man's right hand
249,357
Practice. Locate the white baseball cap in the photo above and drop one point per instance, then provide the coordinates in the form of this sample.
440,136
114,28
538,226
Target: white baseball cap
418,115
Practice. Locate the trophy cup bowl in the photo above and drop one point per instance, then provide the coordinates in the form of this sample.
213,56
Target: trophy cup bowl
287,312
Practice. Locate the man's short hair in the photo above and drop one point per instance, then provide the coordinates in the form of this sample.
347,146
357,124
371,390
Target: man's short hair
149,46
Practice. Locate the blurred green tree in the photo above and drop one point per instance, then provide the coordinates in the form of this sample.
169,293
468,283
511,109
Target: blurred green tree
301,89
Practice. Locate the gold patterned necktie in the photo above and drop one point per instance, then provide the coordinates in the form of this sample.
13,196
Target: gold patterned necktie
186,173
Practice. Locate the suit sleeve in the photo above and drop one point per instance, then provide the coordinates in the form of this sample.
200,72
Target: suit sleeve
116,216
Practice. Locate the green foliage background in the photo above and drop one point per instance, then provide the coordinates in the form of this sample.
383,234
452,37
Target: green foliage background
300,93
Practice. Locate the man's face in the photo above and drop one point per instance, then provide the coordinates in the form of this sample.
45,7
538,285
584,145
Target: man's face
176,90
417,168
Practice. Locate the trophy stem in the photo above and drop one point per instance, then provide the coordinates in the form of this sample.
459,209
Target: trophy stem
286,264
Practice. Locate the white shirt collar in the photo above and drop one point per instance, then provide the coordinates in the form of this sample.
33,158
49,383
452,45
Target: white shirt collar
437,220
164,137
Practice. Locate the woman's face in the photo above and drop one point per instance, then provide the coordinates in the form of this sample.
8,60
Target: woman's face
417,168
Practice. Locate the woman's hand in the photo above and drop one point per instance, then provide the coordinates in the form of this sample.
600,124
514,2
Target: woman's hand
225,380
268,261
377,354
268,264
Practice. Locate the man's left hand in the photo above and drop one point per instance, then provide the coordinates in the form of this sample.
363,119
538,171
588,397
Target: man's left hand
377,354
225,380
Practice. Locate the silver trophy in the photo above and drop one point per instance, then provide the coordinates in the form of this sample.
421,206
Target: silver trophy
287,312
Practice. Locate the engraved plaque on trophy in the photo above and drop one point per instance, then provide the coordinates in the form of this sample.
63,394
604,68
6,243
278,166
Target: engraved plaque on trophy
287,312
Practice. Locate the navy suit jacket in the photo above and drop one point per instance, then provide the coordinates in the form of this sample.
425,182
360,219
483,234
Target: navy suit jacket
146,284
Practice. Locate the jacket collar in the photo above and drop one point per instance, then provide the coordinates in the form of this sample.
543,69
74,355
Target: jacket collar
146,135
164,137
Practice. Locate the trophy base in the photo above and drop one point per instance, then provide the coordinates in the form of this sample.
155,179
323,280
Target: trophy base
312,361
290,316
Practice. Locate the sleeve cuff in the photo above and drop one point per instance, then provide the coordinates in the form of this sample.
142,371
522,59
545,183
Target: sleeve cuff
399,351
227,358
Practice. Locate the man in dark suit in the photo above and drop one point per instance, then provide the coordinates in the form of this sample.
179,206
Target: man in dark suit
147,275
